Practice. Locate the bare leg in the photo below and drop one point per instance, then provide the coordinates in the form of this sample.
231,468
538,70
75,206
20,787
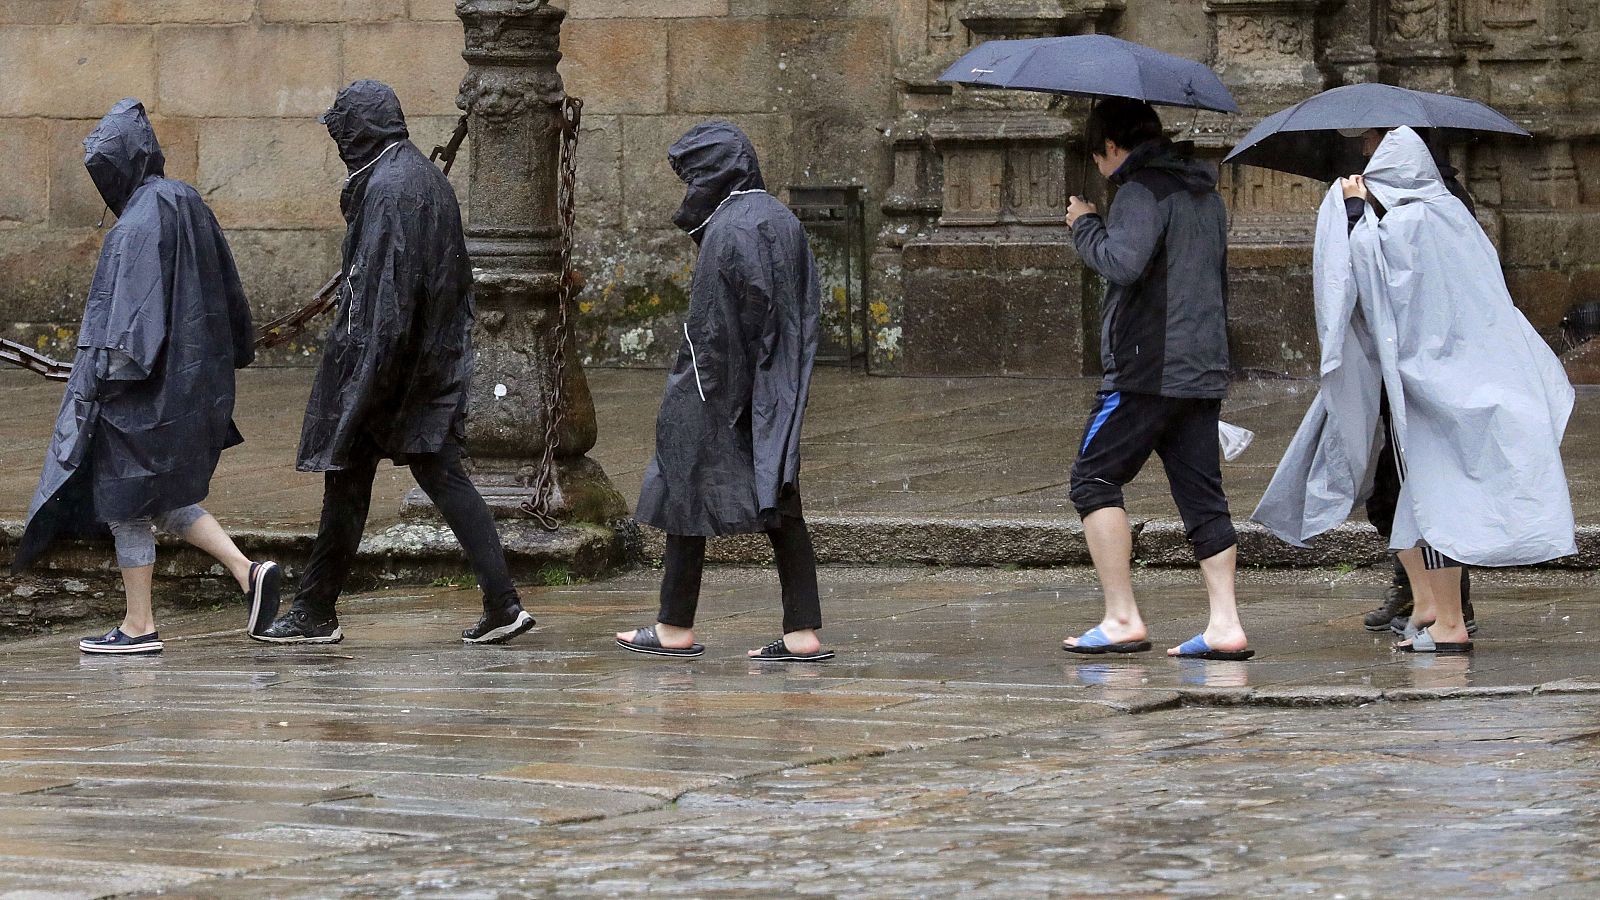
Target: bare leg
1444,586
1223,630
207,534
1422,587
140,619
1111,547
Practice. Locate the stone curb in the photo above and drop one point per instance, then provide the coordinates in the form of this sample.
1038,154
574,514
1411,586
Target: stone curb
1314,696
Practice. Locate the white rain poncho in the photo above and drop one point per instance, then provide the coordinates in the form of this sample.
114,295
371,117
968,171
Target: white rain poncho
1416,302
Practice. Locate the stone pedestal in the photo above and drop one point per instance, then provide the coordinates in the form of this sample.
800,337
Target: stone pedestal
513,97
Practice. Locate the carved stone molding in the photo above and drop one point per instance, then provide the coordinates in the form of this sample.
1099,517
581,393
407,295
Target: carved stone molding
1266,42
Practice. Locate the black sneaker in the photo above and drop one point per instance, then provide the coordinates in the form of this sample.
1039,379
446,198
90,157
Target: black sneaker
114,641
266,578
499,626
301,626
1396,606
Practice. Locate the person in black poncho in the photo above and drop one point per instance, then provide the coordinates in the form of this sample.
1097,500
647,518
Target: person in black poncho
727,457
149,406
392,383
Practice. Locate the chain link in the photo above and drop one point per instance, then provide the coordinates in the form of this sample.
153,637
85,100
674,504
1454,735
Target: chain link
541,506
18,355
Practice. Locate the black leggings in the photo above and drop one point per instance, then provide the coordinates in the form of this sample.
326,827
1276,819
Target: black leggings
797,573
346,497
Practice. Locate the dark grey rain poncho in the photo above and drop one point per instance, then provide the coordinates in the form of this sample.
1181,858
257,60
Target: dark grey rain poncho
728,434
396,363
149,407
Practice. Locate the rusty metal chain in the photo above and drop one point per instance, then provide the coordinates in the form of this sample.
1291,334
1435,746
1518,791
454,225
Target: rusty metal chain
18,355
541,506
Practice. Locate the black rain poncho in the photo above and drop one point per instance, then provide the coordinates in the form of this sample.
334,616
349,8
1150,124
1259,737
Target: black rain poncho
149,407
396,363
728,434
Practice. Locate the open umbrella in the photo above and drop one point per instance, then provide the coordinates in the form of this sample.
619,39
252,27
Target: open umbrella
1295,140
1092,65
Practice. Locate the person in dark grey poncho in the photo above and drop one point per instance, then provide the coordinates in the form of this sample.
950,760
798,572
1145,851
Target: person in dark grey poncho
395,366
149,407
727,457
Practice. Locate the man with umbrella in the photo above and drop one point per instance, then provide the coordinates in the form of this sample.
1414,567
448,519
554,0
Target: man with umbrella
1164,334
393,379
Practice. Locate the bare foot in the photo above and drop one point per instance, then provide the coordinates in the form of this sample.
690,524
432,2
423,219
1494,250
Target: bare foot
671,636
801,642
1226,638
1117,631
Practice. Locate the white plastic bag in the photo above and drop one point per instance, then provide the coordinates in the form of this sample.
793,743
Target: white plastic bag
1235,440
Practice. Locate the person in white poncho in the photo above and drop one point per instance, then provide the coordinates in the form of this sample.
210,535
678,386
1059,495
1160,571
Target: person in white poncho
1413,315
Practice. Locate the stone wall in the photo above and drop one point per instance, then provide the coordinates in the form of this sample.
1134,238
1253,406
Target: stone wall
833,92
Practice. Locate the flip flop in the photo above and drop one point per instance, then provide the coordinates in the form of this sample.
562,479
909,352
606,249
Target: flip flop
1197,648
1095,642
778,651
646,641
1423,642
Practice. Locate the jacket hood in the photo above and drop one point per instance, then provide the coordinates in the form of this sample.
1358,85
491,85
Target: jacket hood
714,159
364,119
1403,170
121,153
1174,158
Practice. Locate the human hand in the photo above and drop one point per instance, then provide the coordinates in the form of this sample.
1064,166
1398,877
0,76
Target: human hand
1355,186
1077,208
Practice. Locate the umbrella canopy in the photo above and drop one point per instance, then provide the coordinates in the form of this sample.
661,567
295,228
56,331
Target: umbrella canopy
1092,65
1295,140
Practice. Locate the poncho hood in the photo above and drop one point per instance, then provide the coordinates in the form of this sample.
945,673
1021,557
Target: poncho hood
121,153
1403,170
714,159
1167,156
363,120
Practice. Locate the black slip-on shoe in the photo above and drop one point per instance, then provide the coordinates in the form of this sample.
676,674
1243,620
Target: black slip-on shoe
499,626
115,642
266,580
299,626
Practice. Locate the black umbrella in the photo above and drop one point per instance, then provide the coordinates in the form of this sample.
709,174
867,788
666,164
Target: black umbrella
1092,65
1296,140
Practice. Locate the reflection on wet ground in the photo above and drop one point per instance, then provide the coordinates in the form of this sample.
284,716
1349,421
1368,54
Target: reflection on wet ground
951,747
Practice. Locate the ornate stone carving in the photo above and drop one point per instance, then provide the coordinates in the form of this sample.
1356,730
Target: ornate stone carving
1412,20
1279,36
1266,42
498,96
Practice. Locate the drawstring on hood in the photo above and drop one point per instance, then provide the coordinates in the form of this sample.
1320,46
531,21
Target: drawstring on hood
716,160
365,120
121,153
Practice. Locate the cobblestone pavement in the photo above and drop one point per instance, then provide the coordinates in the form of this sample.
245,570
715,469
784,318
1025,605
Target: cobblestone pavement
950,748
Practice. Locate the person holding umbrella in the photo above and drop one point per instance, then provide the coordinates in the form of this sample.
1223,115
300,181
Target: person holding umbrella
1164,336
1164,346
1415,319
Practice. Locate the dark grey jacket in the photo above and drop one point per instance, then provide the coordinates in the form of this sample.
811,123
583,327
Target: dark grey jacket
727,454
1164,252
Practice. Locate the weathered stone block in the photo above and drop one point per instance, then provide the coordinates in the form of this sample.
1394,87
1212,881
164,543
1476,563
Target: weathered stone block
420,60
430,10
293,70
616,65
37,12
1543,295
74,71
724,66
1272,325
45,272
276,173
152,12
643,9
74,200
24,192
599,204
820,9
341,11
967,314
280,270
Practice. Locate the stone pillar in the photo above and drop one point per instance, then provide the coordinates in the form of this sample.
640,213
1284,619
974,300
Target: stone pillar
513,98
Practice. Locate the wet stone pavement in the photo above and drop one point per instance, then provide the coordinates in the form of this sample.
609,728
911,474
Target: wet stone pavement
951,748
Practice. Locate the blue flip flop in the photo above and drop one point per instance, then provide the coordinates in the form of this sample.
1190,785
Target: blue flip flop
1094,642
1197,648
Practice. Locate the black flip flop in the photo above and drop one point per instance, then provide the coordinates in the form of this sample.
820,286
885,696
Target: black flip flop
778,651
646,641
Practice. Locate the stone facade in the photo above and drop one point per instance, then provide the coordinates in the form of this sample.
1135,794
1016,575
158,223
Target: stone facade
973,271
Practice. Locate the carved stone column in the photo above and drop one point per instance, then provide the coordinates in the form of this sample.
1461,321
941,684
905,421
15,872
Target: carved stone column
513,97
